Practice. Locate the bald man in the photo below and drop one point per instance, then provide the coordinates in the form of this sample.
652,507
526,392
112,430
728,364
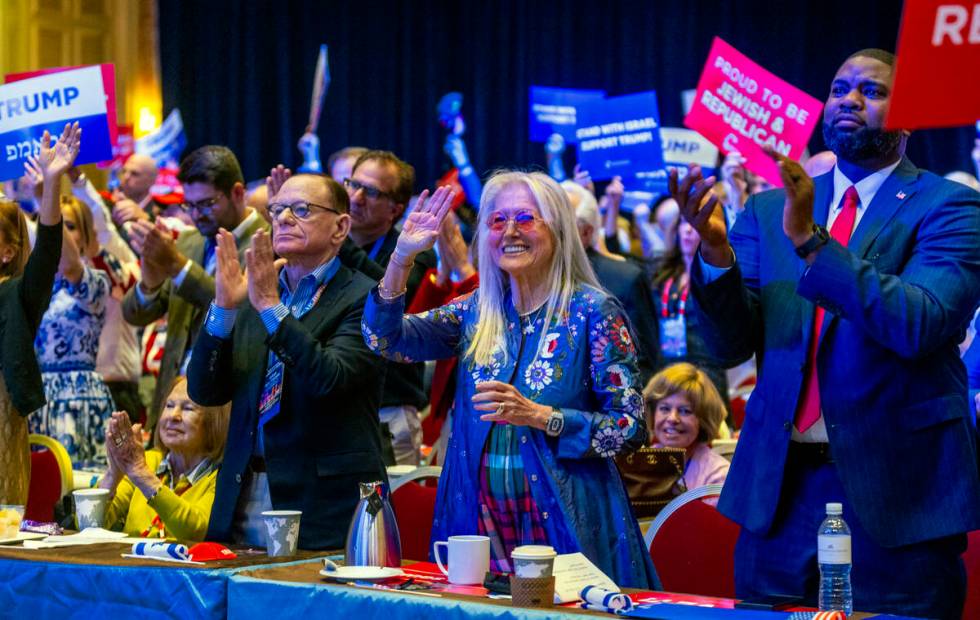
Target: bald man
133,200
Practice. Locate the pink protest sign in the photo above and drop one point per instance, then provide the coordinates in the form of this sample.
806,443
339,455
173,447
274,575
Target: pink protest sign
108,83
741,107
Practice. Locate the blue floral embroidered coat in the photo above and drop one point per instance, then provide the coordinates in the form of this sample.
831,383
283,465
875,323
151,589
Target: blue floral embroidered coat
587,368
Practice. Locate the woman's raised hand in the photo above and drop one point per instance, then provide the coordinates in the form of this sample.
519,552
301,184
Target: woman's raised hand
421,228
54,160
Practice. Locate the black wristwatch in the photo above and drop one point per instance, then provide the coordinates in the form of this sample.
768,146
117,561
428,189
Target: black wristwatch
556,423
818,240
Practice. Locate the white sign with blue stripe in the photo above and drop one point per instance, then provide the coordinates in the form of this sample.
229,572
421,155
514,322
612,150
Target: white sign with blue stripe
28,107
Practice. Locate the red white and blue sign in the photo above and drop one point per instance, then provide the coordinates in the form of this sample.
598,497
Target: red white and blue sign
47,102
555,110
620,136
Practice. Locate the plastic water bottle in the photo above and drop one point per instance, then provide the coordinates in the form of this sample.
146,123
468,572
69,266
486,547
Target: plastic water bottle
834,557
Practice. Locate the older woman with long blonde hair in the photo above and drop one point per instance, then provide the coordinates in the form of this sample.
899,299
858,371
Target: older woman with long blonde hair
26,277
547,388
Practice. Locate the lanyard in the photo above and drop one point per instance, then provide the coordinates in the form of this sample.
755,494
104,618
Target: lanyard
665,299
157,522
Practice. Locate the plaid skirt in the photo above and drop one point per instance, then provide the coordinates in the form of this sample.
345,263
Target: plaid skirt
508,514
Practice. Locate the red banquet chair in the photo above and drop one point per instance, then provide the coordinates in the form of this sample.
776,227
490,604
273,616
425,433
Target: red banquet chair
50,477
971,559
693,545
414,505
738,398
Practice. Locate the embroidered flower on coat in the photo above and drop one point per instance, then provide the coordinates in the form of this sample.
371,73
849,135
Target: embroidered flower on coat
370,338
550,345
538,375
621,335
486,373
619,375
608,441
632,402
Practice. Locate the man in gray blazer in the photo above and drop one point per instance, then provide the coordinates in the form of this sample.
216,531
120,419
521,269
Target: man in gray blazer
178,274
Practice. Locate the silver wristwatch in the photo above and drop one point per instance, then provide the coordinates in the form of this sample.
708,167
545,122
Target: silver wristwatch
556,423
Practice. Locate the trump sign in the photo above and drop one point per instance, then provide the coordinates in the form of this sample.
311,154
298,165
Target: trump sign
47,102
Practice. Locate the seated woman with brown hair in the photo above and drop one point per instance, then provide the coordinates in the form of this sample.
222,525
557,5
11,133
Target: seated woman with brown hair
166,492
685,411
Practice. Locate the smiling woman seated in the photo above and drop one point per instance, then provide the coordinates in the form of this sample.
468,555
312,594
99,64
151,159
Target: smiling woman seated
166,492
687,412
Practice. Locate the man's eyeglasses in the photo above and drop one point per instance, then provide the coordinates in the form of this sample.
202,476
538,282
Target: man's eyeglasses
201,206
371,192
300,210
523,220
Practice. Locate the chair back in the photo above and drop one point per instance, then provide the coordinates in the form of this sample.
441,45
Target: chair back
60,454
652,477
693,545
971,560
51,477
724,447
414,505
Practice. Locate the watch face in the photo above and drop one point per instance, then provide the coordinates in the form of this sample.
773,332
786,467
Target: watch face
555,424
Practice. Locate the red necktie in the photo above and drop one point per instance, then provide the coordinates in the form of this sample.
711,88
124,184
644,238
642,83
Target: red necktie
808,411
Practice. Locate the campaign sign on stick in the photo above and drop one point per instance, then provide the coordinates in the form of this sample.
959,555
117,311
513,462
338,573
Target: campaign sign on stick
108,82
28,107
165,146
938,42
553,110
742,107
620,136
122,148
167,142
684,148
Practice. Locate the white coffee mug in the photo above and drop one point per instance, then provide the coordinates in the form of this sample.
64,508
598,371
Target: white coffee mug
469,559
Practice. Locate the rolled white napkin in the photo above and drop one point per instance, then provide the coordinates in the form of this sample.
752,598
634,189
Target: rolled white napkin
161,550
605,600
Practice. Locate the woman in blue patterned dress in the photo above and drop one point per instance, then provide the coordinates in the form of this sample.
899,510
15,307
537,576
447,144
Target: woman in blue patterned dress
547,382
67,343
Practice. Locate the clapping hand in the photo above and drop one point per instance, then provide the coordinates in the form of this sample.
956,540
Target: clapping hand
701,214
230,284
125,210
54,159
798,208
262,271
453,253
33,176
421,228
124,444
277,176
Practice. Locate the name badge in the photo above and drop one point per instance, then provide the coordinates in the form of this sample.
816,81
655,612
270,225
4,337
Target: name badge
673,336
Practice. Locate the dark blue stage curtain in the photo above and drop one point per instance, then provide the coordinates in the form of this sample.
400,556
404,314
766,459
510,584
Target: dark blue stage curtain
241,71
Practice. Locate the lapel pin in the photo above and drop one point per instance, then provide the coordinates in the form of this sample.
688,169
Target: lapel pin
900,195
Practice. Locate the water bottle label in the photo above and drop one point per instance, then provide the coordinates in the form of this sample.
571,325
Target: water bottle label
834,549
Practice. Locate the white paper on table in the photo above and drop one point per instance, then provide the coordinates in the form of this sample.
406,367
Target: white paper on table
88,536
574,571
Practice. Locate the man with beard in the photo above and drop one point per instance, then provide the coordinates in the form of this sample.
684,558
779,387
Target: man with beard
177,277
862,395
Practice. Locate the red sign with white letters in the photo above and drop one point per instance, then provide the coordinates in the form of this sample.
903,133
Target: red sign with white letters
936,82
739,106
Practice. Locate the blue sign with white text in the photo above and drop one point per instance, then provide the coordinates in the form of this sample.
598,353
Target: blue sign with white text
620,136
30,106
554,110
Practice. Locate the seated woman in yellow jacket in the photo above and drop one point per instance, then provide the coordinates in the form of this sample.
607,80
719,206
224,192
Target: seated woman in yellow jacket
166,492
